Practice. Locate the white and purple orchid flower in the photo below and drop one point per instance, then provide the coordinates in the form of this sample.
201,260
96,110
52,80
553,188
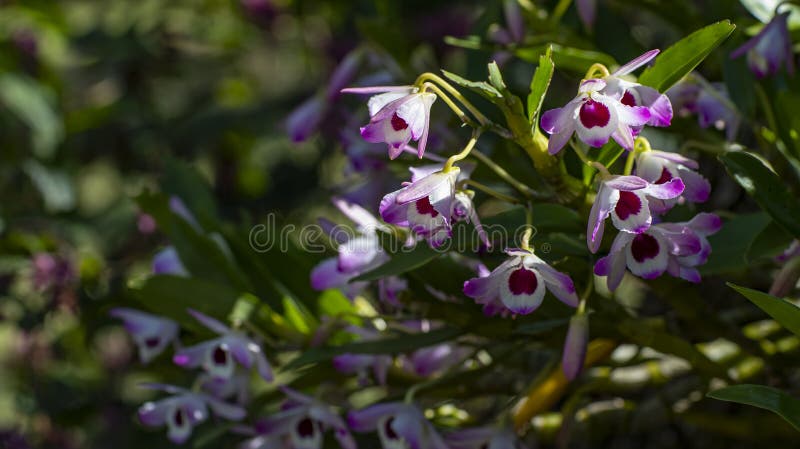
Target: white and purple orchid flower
362,364
399,426
609,107
625,198
710,101
220,355
398,115
770,48
356,255
659,167
151,333
184,410
425,205
484,438
520,283
676,248
301,424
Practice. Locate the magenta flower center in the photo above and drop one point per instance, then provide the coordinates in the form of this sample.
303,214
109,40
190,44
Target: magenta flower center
220,356
522,282
628,99
424,207
666,176
398,124
644,247
178,417
628,204
305,428
594,113
152,342
388,431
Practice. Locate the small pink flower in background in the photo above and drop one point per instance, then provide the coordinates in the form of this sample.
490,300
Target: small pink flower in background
520,284
398,115
575,346
167,261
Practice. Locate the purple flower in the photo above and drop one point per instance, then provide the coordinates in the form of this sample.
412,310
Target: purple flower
219,356
484,438
587,11
702,225
389,289
52,271
183,411
575,346
611,107
398,114
151,333
595,117
399,425
659,167
625,198
520,283
792,251
306,118
167,261
424,205
711,103
770,48
361,364
357,255
673,247
302,422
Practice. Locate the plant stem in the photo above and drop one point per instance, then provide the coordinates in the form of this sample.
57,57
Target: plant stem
504,175
489,191
455,93
456,110
464,153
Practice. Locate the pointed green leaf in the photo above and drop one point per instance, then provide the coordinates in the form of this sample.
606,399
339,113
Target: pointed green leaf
480,87
769,190
683,56
784,312
761,396
539,84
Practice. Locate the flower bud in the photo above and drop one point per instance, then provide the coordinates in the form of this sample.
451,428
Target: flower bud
575,346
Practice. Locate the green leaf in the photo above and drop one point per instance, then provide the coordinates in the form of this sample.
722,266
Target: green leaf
480,87
683,56
33,104
573,59
495,77
770,242
766,188
395,345
404,261
731,244
761,396
539,84
784,312
640,333
171,296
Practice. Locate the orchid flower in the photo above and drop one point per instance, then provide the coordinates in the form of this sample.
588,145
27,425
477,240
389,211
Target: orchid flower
520,283
648,254
399,426
167,261
484,438
424,205
398,115
702,225
770,48
659,167
587,11
710,101
625,198
356,255
361,363
183,411
303,422
595,117
389,289
151,333
634,94
219,356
